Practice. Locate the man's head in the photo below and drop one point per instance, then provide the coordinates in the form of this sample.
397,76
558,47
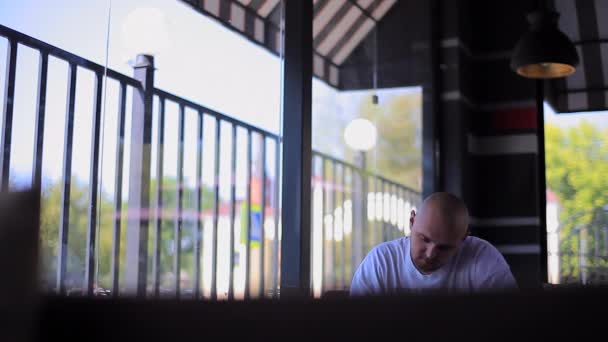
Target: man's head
438,230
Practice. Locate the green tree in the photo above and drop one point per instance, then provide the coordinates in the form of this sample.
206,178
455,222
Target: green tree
79,205
398,153
77,231
576,169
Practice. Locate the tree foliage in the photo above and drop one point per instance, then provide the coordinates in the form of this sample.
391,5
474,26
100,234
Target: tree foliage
79,220
398,153
576,169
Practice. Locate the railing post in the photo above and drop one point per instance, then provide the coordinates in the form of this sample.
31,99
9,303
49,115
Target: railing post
139,178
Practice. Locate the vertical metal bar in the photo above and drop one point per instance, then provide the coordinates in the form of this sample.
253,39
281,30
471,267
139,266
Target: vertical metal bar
605,233
397,211
371,224
296,128
94,181
216,208
158,217
139,178
596,239
64,223
199,206
323,226
404,213
263,232
355,224
364,233
313,214
582,253
391,232
343,205
232,211
276,251
394,221
248,231
383,223
541,179
40,116
393,212
433,109
334,253
120,146
379,211
313,217
178,221
9,102
391,226
356,236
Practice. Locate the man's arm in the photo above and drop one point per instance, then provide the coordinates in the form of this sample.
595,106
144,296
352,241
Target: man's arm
501,280
493,272
368,279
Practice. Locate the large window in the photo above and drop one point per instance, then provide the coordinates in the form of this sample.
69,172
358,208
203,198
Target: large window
576,146
157,140
366,139
170,188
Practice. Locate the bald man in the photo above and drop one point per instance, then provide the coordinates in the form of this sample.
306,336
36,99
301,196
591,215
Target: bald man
438,256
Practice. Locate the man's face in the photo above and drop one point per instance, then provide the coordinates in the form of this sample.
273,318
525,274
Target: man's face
434,240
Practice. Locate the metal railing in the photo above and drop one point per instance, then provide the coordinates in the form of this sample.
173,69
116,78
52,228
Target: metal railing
583,251
377,216
353,210
45,50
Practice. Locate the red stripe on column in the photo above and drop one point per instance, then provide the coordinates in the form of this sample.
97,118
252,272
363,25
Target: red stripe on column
514,118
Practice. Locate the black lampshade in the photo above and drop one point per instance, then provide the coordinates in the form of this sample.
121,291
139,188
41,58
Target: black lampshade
544,51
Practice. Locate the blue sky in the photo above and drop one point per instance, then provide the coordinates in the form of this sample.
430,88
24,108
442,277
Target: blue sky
599,119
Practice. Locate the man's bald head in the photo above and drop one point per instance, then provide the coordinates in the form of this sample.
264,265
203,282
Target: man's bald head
438,230
449,207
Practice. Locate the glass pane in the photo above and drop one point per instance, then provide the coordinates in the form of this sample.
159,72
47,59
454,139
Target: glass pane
366,135
576,147
56,120
215,71
138,157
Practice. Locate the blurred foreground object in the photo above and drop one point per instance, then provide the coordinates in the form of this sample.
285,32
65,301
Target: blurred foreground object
19,224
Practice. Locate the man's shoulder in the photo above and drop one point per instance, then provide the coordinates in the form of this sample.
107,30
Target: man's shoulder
482,251
479,245
396,245
389,249
490,267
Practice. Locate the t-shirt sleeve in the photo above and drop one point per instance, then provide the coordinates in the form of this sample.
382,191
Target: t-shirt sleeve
368,279
492,271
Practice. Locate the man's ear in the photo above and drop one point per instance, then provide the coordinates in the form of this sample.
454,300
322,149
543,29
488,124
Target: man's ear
412,218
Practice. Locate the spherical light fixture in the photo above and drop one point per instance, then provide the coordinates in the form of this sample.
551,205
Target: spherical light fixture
360,135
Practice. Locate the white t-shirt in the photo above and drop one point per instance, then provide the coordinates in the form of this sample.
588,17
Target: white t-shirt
388,268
